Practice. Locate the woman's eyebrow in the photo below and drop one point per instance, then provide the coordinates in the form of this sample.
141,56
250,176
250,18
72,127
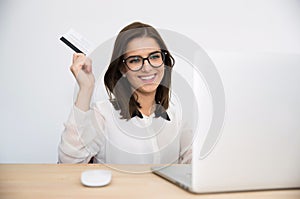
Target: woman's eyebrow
156,51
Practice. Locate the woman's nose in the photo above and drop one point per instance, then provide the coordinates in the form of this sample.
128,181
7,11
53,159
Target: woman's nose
146,67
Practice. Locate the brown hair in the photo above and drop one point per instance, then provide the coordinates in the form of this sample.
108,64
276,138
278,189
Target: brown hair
118,87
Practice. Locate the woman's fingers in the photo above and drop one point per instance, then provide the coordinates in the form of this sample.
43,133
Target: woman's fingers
77,64
82,70
87,67
80,62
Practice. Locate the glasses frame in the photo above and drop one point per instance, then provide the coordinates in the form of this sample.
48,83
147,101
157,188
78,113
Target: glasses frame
163,55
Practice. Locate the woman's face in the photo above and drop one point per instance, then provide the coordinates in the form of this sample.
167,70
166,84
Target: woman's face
148,78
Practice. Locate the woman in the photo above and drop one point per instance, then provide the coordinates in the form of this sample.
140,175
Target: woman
138,124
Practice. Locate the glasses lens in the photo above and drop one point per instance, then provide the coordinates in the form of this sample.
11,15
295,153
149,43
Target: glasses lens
134,63
156,59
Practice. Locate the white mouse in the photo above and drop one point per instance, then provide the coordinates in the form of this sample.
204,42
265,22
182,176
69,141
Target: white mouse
96,178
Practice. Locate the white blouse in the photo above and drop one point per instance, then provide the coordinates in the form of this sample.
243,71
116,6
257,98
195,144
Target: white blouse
101,134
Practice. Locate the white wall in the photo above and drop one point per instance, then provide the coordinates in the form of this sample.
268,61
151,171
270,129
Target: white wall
36,87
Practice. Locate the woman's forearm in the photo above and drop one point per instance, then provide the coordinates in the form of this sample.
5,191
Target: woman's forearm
84,97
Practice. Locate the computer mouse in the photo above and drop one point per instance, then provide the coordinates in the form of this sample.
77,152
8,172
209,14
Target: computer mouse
96,178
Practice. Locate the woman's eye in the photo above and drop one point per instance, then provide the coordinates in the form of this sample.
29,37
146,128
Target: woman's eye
134,60
155,56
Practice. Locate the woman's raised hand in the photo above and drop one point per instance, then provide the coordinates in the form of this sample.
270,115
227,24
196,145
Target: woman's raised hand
82,71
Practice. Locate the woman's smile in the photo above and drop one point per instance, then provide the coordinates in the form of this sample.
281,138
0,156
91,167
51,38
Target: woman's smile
148,78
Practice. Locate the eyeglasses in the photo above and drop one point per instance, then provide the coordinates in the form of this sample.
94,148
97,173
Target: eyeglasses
136,63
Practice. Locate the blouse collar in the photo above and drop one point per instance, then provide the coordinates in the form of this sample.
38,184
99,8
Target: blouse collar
163,114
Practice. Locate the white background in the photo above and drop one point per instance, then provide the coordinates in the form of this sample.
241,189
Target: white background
36,86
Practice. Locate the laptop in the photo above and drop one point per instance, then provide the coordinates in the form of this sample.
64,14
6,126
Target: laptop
257,146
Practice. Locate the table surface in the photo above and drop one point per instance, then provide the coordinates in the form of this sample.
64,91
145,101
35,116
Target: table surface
63,181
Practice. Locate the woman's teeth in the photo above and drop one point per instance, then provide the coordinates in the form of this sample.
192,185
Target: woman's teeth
147,77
